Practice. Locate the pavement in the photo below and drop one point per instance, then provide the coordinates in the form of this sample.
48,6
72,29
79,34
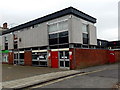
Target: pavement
49,76
13,72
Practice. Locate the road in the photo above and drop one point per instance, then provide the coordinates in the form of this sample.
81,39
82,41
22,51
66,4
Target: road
102,78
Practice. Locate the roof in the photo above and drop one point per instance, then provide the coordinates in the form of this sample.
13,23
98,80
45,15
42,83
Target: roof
102,40
66,11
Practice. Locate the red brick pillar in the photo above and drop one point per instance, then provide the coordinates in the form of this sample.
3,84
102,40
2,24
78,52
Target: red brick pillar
49,58
28,58
72,59
10,57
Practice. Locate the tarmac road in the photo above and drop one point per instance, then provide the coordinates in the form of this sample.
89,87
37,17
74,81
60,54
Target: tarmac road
104,78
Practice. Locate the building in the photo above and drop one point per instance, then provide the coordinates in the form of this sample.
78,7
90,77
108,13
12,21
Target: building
114,45
102,44
47,41
3,28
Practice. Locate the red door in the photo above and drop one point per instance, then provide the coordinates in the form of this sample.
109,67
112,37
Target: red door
54,59
112,57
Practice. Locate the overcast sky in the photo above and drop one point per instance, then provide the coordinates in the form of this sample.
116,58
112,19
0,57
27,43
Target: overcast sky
16,12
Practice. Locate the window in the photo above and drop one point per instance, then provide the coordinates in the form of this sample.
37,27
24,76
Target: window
6,46
85,34
51,36
85,41
63,25
21,55
63,40
84,28
52,28
53,41
58,38
63,34
5,57
15,36
6,39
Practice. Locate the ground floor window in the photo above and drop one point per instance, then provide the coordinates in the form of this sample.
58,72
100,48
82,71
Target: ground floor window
18,58
4,57
39,58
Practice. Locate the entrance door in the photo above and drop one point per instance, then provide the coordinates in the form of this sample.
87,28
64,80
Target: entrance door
54,59
64,59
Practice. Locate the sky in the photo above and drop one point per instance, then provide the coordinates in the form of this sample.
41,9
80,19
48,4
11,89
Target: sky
16,12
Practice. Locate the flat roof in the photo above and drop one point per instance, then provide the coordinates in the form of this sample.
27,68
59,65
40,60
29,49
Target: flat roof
66,11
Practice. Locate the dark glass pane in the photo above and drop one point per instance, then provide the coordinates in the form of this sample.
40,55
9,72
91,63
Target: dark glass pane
34,56
15,56
85,41
51,36
15,46
53,41
66,63
35,63
63,40
6,46
61,55
85,35
66,54
43,63
21,55
61,63
63,34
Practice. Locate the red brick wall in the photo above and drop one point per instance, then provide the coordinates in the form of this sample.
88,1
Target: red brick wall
28,58
89,57
10,58
117,55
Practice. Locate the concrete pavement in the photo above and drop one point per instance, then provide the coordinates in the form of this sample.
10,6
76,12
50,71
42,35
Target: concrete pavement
21,83
13,72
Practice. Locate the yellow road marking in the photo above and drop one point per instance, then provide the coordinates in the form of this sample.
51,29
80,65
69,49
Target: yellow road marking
52,82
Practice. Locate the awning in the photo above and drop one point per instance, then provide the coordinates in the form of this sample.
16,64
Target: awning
5,51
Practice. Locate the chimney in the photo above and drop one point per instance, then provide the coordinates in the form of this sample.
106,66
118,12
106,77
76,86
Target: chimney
4,25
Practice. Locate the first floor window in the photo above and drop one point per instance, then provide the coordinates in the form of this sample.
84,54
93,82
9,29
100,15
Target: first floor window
85,38
58,38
